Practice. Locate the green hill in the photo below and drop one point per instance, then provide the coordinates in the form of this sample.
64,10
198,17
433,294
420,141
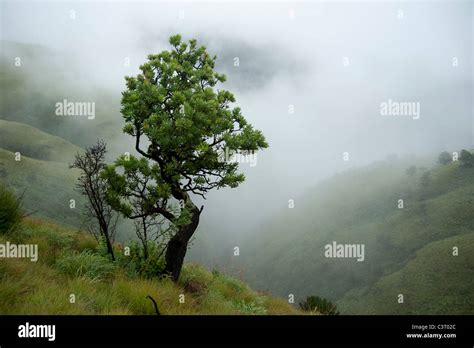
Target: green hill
34,143
361,207
47,187
69,263
434,282
46,77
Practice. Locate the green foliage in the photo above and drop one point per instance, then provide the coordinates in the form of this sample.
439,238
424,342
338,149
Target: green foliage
172,103
444,158
466,158
134,176
86,264
136,264
11,211
188,124
101,248
318,305
250,308
195,279
150,267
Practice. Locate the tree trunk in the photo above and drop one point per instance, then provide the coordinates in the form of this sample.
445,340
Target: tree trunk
105,233
178,245
110,249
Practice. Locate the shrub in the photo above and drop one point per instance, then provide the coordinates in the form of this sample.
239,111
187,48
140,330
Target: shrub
466,158
136,264
319,305
11,211
86,264
444,158
250,308
195,279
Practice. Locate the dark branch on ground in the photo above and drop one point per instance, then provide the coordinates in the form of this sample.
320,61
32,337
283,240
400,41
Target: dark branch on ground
154,303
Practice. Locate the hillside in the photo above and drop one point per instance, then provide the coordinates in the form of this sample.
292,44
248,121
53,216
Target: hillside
70,263
47,187
45,77
434,282
34,143
361,207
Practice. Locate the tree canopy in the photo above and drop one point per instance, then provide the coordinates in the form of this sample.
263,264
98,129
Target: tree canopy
182,124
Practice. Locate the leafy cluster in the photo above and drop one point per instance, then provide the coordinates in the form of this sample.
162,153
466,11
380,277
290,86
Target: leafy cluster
147,267
187,124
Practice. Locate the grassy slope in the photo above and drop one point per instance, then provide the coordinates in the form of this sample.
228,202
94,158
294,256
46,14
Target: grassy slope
44,288
47,186
361,207
42,175
33,143
434,282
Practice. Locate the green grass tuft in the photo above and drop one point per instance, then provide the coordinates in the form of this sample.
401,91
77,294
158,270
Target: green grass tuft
86,264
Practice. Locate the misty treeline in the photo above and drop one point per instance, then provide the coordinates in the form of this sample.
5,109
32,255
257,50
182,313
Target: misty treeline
465,158
173,108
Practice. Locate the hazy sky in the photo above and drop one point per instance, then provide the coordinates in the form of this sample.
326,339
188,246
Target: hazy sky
332,63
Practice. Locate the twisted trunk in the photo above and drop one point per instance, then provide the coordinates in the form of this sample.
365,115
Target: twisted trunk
178,244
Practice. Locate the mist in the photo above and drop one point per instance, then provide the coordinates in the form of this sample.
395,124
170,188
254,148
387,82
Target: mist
310,76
